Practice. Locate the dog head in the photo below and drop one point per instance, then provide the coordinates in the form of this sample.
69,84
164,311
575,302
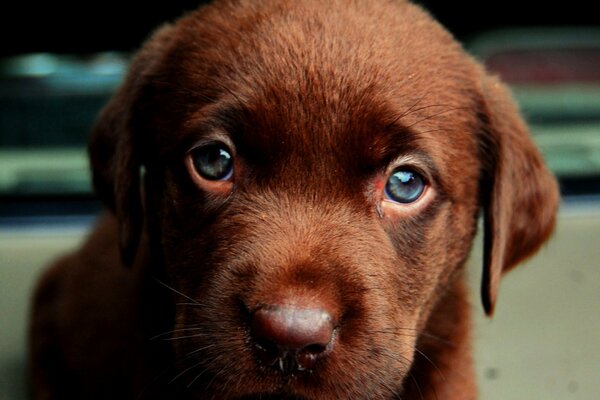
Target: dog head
314,177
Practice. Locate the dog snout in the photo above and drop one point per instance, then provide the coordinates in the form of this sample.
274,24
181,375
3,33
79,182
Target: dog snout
292,338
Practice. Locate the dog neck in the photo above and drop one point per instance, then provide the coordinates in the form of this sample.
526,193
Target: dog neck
443,366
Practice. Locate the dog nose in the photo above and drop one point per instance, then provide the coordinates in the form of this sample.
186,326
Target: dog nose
292,338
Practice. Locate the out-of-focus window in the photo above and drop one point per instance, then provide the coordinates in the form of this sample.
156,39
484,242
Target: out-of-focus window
48,103
555,76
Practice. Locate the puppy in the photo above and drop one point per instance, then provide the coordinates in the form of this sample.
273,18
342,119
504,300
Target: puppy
294,187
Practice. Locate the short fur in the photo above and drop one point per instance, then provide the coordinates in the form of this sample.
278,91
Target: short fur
319,99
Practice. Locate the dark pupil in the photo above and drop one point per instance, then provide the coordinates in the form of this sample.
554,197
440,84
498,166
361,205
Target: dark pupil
213,162
404,186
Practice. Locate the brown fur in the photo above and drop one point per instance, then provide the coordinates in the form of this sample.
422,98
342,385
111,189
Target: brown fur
318,99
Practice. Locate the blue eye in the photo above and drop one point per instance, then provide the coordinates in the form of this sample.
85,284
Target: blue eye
404,186
213,162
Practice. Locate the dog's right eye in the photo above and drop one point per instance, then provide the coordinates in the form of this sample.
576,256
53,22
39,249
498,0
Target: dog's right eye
404,186
213,162
211,167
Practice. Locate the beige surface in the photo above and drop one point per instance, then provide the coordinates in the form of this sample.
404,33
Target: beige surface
541,344
543,340
22,255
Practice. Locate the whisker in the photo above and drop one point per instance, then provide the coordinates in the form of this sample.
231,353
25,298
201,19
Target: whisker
197,377
407,112
401,358
187,337
235,96
173,331
417,385
436,115
373,375
176,291
188,355
431,362
179,375
214,376
417,333
191,304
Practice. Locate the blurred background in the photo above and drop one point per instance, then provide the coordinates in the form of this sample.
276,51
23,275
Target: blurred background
60,61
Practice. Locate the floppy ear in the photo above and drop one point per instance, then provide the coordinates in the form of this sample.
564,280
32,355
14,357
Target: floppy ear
520,196
115,151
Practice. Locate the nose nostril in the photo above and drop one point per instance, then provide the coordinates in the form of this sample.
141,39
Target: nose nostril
314,349
307,356
291,334
267,351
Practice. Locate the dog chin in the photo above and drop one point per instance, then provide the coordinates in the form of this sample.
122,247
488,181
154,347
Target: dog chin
272,396
295,392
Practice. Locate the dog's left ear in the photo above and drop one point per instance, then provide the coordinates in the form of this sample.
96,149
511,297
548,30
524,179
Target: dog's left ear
116,150
519,195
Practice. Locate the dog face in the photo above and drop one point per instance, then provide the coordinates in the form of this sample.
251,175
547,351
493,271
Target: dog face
314,176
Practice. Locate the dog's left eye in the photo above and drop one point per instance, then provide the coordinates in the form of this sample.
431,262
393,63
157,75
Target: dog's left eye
213,162
404,186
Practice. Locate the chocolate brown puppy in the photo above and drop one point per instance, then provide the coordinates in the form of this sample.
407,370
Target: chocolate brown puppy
293,190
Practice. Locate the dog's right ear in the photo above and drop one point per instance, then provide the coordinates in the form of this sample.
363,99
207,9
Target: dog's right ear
520,195
115,151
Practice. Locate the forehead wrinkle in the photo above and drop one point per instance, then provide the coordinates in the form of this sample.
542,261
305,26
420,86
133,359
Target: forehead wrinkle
315,114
